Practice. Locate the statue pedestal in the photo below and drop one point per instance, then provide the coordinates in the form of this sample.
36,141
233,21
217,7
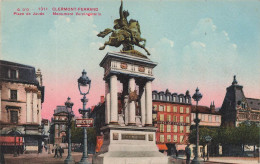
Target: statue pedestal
129,137
129,145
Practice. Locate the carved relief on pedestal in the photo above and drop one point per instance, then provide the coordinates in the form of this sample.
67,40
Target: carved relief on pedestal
133,96
141,69
123,65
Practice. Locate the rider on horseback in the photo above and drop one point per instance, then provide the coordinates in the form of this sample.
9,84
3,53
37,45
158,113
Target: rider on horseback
126,33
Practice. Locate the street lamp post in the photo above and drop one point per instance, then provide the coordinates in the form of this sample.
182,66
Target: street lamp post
69,104
49,145
84,84
15,148
197,96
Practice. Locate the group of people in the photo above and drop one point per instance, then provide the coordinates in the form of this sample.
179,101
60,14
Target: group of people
58,150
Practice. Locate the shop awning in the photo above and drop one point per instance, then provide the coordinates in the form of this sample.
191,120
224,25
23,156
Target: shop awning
162,146
11,140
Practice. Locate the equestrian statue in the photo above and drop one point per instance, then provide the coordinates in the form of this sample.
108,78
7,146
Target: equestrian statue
125,33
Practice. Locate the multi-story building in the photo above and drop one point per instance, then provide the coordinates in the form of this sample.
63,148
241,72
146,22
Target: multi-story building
237,108
46,130
208,116
59,121
21,98
172,117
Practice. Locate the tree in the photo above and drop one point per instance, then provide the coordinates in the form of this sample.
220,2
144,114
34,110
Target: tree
76,133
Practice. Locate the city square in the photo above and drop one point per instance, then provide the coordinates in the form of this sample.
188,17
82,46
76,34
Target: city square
93,85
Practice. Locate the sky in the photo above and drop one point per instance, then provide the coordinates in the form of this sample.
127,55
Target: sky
195,43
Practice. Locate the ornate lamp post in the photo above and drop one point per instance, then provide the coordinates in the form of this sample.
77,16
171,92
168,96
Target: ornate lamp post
84,84
49,146
197,96
15,147
69,104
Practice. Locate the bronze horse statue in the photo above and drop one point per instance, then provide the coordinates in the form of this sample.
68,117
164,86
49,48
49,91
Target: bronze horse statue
126,37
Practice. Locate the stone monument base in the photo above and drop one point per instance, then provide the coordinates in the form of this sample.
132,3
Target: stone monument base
129,145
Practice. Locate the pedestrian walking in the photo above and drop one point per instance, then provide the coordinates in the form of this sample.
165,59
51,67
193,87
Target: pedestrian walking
60,151
188,153
56,151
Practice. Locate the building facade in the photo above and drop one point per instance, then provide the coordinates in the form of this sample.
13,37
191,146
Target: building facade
59,122
46,131
172,117
237,108
208,116
21,98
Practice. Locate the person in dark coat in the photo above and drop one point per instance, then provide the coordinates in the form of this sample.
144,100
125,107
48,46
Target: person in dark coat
188,153
56,151
60,151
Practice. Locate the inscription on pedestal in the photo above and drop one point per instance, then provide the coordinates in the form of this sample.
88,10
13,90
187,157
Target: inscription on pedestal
133,137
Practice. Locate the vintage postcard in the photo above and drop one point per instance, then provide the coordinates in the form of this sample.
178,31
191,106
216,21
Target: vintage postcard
151,81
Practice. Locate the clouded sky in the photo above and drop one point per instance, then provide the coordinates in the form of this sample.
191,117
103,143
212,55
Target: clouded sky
196,43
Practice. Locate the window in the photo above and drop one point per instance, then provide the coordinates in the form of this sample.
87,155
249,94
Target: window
13,94
175,109
167,98
174,98
217,118
13,74
203,117
161,117
169,118
187,129
181,118
243,105
174,118
155,108
187,110
175,138
187,100
181,129
161,108
168,128
175,128
199,116
210,119
168,138
161,138
181,109
154,117
14,116
181,99
168,109
161,127
161,97
181,138
187,119
193,116
153,97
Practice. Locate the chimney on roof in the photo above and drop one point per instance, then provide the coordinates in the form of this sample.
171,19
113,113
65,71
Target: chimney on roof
102,99
187,93
212,107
